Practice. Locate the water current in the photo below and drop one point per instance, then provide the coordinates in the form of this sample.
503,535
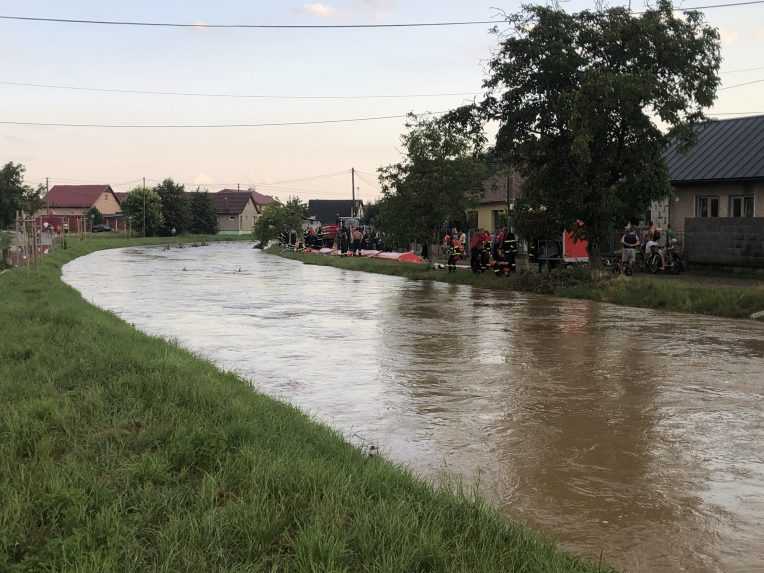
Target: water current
631,433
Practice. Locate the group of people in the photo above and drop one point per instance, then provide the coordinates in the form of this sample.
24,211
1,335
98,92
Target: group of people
651,238
485,250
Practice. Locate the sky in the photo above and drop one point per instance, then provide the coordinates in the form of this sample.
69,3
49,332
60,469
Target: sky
311,162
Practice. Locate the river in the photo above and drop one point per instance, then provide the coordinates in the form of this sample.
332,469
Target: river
631,433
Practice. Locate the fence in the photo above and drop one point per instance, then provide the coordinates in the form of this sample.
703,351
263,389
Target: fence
725,241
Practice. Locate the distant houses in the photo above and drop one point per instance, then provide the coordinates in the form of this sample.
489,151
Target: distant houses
66,207
237,211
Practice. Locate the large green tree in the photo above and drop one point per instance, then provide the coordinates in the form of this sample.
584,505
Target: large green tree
143,206
12,190
204,221
176,211
278,218
439,176
587,103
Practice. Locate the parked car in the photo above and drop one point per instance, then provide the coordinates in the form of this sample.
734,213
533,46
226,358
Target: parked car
101,228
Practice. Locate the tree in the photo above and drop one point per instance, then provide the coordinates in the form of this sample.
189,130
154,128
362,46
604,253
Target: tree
587,104
133,207
12,191
204,221
95,216
439,177
277,218
33,200
176,211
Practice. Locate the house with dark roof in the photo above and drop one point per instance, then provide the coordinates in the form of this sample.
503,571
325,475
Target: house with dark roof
326,211
721,175
499,192
718,193
236,211
67,206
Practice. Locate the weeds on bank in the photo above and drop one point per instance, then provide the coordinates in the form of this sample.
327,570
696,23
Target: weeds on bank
639,291
122,452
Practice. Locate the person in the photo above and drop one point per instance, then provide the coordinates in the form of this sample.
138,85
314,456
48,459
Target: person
653,241
462,238
630,242
451,253
357,237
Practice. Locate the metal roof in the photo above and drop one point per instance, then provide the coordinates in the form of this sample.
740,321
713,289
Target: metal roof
725,150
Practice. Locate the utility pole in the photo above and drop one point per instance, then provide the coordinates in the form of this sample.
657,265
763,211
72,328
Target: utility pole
144,206
352,181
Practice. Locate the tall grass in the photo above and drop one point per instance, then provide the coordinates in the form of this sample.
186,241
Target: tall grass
122,452
642,291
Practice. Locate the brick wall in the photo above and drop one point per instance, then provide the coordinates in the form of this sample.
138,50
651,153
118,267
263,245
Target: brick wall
725,241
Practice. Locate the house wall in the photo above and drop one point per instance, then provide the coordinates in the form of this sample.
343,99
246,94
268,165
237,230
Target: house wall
683,205
737,242
107,204
228,223
248,217
485,215
243,223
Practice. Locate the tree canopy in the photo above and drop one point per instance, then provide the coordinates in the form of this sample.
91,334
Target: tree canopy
277,218
133,207
11,192
587,103
438,178
204,221
176,211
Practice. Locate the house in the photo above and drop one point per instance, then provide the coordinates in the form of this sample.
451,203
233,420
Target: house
326,211
718,193
67,206
236,211
499,192
721,175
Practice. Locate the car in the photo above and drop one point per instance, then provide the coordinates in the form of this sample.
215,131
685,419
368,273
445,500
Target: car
101,228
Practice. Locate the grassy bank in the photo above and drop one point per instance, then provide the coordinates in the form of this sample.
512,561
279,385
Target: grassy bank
122,452
640,291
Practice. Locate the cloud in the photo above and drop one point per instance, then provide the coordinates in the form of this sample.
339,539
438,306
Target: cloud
318,9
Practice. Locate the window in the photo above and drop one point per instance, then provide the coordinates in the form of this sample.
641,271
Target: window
741,206
707,207
499,219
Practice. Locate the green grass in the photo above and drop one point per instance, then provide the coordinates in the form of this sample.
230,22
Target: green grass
122,452
639,291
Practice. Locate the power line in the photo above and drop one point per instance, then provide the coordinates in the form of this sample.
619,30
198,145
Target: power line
246,26
742,70
204,25
742,84
233,95
210,125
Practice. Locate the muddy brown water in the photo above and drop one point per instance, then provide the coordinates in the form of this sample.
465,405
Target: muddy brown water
628,432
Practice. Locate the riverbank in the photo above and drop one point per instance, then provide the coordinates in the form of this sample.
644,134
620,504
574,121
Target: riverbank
123,452
677,294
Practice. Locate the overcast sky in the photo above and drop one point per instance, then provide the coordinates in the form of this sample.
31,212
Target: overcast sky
268,62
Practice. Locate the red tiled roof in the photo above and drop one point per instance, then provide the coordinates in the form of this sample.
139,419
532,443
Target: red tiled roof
230,202
75,196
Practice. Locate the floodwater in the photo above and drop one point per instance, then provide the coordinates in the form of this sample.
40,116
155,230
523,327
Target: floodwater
634,434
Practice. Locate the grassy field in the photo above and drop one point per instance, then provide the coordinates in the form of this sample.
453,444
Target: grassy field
122,452
679,295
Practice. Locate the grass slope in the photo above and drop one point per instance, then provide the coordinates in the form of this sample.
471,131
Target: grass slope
122,452
639,291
